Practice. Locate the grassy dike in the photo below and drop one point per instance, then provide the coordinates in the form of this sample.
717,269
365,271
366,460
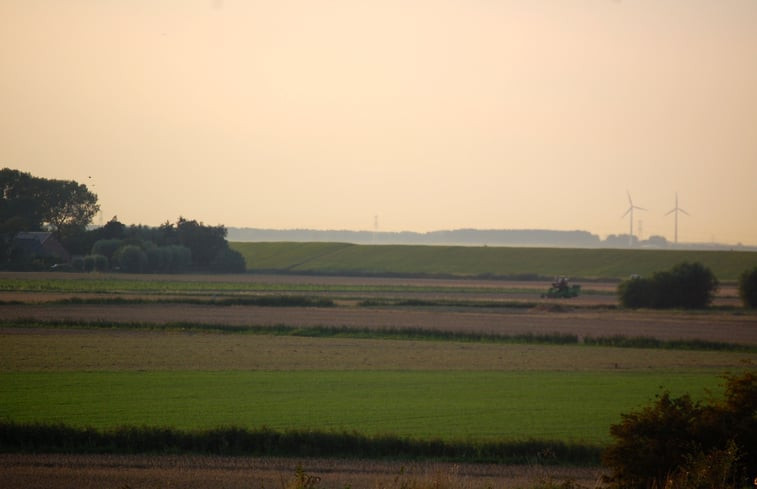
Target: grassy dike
349,259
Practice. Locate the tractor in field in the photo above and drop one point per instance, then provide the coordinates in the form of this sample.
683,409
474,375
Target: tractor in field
560,289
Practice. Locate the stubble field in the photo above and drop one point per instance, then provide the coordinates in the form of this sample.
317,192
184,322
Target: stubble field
476,389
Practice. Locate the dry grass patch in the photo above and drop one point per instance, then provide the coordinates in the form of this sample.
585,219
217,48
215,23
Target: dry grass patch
203,472
42,349
668,325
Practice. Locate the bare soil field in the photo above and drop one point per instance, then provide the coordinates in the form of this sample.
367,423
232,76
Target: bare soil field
48,349
667,325
201,472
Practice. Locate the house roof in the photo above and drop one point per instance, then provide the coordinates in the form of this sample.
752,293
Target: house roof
38,236
40,243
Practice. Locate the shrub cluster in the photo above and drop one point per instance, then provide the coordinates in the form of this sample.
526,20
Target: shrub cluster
169,248
686,285
675,439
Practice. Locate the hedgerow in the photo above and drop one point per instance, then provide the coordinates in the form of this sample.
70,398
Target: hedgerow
58,438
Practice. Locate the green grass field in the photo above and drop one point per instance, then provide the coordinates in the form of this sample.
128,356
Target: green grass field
335,258
449,405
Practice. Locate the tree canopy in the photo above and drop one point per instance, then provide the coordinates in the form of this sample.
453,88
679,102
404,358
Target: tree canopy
186,245
31,203
66,208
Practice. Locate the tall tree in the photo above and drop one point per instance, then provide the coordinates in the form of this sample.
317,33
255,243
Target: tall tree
68,205
19,202
31,203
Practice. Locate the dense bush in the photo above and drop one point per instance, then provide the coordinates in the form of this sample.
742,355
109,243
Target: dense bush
748,288
228,261
132,259
168,259
674,437
77,263
101,263
686,285
169,248
95,263
158,258
107,247
180,258
636,292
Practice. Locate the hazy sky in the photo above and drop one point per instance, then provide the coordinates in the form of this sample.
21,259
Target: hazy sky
434,114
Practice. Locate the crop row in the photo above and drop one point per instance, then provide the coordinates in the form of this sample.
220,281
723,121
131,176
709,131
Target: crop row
413,334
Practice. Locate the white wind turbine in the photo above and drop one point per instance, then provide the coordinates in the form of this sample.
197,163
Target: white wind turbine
676,210
629,213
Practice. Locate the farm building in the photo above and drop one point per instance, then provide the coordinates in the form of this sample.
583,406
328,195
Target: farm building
40,244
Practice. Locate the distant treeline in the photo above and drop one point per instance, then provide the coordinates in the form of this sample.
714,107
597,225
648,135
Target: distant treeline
525,237
468,237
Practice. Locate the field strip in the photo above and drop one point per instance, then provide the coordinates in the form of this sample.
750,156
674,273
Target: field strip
194,472
162,284
716,327
459,405
51,349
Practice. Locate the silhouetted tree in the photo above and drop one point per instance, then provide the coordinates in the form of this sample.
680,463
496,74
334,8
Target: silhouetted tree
113,229
34,203
205,242
29,203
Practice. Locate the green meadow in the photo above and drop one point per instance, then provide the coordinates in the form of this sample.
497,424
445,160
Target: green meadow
446,405
341,258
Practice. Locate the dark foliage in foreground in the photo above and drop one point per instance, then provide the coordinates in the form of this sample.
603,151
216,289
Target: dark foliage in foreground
46,438
675,439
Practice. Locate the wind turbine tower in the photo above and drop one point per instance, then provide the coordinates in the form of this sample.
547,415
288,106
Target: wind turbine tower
629,213
675,211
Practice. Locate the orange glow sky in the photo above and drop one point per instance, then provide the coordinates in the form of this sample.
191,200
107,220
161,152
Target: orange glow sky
430,114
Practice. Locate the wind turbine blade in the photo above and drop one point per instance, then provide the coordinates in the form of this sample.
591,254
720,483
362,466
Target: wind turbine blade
670,212
684,212
626,213
629,198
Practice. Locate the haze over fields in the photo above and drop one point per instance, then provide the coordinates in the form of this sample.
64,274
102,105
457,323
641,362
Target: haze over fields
392,115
